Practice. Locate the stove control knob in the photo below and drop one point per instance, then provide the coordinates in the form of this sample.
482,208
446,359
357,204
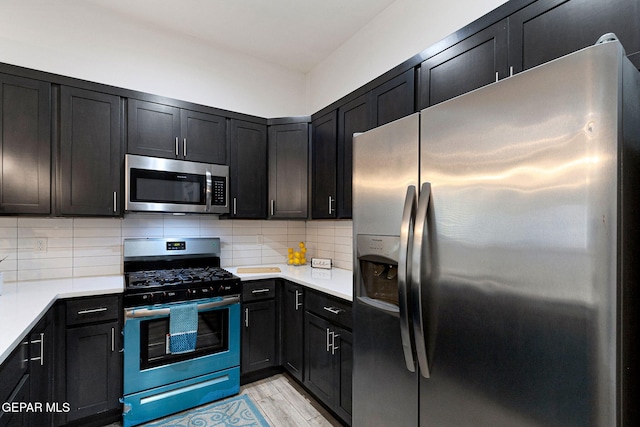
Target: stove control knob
146,298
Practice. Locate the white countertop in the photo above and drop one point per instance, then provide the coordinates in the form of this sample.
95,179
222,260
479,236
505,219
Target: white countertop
336,282
22,304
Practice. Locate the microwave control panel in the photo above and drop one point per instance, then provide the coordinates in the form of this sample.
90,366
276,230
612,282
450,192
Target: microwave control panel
219,196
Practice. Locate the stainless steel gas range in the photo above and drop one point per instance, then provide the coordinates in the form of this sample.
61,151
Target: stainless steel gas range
182,327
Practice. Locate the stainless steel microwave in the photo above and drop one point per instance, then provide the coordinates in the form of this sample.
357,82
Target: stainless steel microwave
176,186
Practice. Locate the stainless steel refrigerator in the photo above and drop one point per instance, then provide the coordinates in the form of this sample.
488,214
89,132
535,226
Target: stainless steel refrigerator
496,254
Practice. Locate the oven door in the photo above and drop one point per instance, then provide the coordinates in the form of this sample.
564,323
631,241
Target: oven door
148,363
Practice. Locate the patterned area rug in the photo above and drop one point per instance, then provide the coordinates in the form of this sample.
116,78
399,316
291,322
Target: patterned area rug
232,412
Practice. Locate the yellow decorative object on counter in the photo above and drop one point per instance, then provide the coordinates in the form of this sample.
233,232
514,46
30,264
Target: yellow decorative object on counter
297,258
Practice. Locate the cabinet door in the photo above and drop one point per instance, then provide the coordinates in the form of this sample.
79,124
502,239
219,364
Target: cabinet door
93,369
344,401
353,117
153,129
203,138
25,146
292,329
288,170
258,336
394,99
248,169
320,368
549,29
472,63
324,143
90,158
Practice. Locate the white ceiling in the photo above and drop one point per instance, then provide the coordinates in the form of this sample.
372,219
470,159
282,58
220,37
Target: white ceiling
295,34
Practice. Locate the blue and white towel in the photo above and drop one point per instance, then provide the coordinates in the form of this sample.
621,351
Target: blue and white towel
183,328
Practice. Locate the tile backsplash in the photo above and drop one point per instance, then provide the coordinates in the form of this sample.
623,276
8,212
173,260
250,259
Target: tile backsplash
46,248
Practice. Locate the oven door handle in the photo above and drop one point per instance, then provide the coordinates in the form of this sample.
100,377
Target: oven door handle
150,312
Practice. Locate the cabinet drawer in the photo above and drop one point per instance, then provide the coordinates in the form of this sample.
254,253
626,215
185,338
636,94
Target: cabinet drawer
258,290
89,310
333,309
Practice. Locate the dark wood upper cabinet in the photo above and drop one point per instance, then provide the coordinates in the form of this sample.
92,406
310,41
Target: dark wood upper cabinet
25,146
204,137
248,169
153,129
160,130
548,29
393,99
323,166
90,155
472,63
353,117
288,170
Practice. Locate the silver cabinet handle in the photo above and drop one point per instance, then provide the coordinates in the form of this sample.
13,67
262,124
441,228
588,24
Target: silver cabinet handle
235,210
331,209
41,342
273,207
113,340
93,310
404,276
416,279
298,303
184,147
260,291
333,343
177,153
115,201
328,340
333,310
246,317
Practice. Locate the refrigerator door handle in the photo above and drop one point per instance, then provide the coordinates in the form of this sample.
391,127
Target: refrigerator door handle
404,275
416,282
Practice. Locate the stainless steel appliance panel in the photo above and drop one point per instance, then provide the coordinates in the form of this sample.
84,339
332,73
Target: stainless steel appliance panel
520,264
385,164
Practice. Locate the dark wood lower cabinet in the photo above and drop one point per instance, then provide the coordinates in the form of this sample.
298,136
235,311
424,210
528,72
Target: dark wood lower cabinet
93,363
292,340
258,336
92,360
328,364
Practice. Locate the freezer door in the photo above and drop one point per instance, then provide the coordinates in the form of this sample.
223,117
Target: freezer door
385,385
519,272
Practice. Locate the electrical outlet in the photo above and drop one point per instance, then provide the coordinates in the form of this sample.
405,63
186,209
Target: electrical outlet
259,239
41,244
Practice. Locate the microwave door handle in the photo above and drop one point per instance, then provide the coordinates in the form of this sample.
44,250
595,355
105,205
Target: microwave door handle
208,191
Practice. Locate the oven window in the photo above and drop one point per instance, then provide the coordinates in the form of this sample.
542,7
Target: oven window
213,337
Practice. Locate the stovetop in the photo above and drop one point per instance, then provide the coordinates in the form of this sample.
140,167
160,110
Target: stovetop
161,271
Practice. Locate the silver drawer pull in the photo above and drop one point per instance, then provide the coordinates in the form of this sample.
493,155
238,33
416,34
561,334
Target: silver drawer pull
260,291
333,310
93,310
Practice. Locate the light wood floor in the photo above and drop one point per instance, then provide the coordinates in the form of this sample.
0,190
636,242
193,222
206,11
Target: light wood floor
283,403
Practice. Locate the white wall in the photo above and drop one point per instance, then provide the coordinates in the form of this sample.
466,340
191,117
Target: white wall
76,39
401,31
